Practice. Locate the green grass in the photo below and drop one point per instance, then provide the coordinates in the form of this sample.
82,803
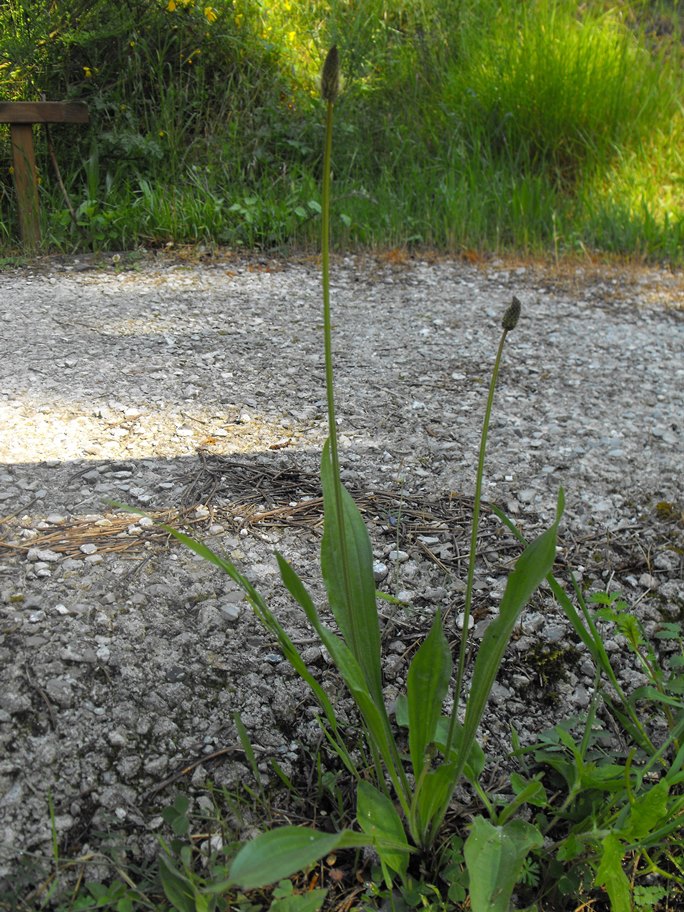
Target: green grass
528,127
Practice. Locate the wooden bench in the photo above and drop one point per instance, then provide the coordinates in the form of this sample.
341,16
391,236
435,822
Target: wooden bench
22,115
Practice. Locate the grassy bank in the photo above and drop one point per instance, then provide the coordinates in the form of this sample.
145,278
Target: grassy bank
490,126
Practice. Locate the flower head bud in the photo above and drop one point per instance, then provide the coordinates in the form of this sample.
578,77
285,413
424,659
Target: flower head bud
512,315
330,77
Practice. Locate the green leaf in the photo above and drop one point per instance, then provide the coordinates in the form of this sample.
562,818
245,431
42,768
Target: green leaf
282,852
433,793
475,761
530,570
531,790
570,848
608,778
347,567
176,815
611,875
526,792
428,679
647,812
374,716
647,692
378,818
494,857
298,591
179,891
268,619
286,900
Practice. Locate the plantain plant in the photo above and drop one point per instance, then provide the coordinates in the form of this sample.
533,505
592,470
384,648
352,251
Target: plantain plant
401,801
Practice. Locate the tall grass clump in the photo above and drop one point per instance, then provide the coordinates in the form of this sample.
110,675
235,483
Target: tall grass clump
557,89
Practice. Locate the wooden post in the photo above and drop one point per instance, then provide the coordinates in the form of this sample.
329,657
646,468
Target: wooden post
21,115
26,183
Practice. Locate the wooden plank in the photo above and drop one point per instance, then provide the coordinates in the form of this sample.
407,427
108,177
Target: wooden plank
27,112
26,183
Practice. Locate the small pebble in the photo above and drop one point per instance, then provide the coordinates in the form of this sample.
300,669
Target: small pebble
648,581
230,613
398,556
380,571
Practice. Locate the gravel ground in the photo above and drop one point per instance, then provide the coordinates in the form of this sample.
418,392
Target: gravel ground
194,390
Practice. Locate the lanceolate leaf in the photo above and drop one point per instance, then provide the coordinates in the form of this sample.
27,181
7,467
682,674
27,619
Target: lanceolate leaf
179,891
530,570
430,798
282,852
494,856
374,714
269,620
475,761
298,591
347,567
378,818
427,683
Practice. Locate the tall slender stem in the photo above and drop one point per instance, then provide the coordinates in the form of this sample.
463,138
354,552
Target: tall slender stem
327,342
473,545
327,319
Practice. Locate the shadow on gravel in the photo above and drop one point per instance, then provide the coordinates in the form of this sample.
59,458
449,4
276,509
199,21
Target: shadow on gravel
66,508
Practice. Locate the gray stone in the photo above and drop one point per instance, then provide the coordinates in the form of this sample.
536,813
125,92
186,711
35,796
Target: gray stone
648,581
44,555
230,612
60,690
554,633
14,702
380,571
398,556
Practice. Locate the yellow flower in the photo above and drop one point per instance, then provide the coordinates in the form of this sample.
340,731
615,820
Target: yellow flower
87,72
210,13
171,5
162,134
